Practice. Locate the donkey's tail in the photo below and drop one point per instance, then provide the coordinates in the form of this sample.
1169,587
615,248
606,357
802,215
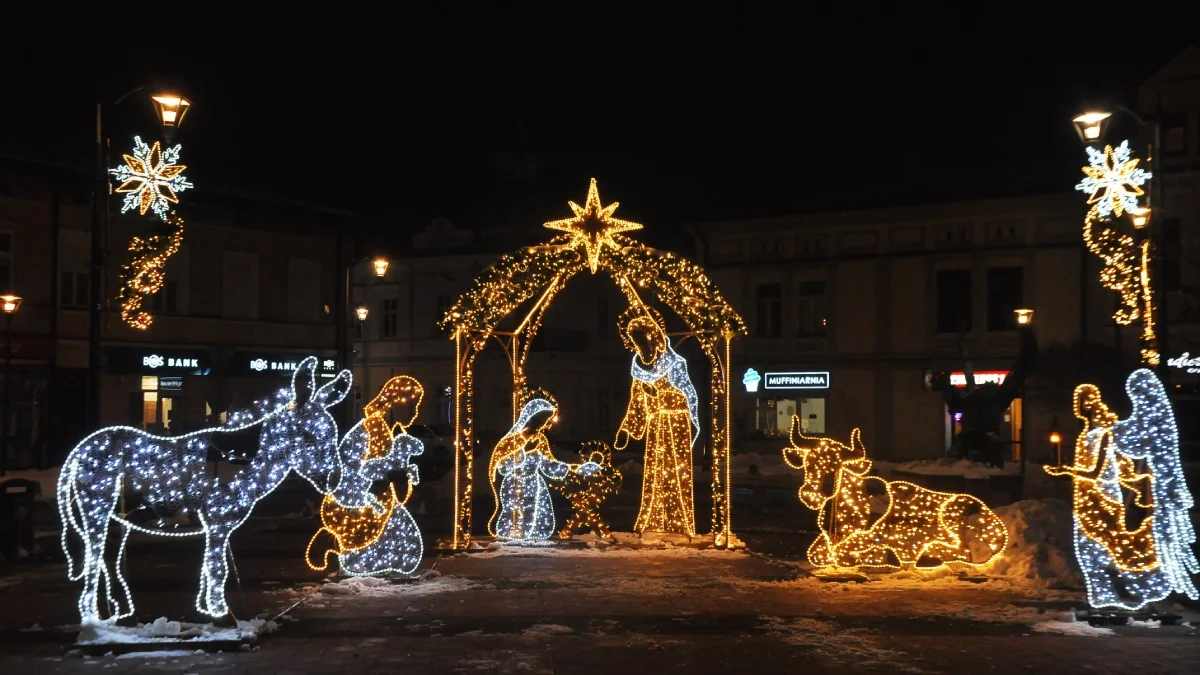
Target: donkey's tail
68,512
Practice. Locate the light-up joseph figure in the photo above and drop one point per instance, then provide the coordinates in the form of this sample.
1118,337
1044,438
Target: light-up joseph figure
663,409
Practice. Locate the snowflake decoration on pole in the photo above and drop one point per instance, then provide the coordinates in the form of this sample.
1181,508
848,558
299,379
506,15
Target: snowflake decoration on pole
151,178
1113,179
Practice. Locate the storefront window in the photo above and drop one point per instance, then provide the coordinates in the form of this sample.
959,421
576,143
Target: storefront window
773,416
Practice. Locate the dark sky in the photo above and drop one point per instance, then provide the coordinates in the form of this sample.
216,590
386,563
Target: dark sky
749,115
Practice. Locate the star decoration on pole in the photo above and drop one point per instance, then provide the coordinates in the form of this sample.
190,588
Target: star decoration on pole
593,226
151,178
1113,179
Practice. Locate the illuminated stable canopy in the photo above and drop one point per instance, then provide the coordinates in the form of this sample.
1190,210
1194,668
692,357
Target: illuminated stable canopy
592,239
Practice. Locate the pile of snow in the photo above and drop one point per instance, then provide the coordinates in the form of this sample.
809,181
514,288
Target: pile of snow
1041,550
1070,626
947,466
162,630
628,544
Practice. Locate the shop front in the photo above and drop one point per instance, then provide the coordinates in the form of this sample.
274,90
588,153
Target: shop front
776,395
166,388
1010,427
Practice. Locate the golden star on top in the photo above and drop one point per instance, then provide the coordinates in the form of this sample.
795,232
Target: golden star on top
593,225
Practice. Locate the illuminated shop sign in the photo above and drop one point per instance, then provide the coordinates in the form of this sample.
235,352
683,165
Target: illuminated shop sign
751,380
959,379
170,383
157,361
278,365
807,380
1185,362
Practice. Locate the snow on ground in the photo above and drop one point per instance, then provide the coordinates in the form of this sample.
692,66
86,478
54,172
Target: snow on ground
1072,627
1041,552
375,587
628,544
162,630
947,466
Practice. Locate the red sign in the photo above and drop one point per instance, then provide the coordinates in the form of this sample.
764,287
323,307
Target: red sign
959,379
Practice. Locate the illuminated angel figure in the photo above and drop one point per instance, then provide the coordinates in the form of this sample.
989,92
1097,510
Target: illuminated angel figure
151,178
520,463
375,534
663,409
1129,568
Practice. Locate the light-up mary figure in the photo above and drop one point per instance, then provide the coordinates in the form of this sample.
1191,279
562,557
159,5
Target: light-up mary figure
520,464
663,409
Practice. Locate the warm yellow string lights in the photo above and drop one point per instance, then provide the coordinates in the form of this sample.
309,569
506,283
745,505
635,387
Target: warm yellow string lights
587,493
359,528
911,525
1114,182
1100,516
145,272
593,241
663,410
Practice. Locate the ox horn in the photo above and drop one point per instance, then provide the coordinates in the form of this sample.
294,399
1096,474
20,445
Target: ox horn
856,444
796,435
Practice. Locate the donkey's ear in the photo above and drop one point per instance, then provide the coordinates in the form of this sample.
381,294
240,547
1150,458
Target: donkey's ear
332,392
304,380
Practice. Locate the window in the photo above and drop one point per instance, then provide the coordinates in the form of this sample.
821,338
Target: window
1005,293
810,309
1174,135
602,319
73,289
6,252
166,299
240,290
304,290
389,315
953,300
443,306
769,303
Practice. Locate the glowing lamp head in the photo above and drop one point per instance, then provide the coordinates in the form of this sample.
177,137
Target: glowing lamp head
1141,217
10,303
1055,437
361,312
1091,126
171,109
381,267
1024,316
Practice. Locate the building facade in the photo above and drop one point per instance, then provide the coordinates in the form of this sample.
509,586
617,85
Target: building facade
252,290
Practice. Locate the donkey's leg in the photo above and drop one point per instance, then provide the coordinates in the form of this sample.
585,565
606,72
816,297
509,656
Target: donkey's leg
95,509
215,569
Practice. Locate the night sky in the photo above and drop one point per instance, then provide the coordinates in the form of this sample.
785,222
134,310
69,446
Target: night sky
404,124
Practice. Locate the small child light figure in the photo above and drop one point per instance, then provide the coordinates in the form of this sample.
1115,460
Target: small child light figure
587,491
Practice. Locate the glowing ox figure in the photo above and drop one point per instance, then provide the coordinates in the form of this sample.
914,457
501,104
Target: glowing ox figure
867,521
297,433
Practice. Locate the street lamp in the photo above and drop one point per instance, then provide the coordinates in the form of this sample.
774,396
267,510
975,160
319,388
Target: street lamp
10,304
170,110
381,267
1091,126
361,312
1056,438
1024,316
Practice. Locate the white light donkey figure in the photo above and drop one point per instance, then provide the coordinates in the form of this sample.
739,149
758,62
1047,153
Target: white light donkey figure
297,434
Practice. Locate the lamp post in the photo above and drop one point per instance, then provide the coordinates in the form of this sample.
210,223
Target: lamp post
1092,127
379,266
10,304
1024,318
170,110
1056,439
